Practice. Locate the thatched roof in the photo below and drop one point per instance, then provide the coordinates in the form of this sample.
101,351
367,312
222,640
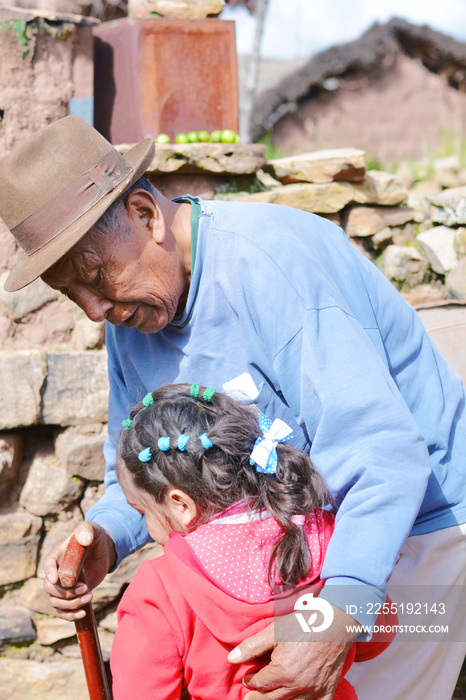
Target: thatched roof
369,56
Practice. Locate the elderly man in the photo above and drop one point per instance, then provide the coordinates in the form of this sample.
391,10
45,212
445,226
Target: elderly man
205,291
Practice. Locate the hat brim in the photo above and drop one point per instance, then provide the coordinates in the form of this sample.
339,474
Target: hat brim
30,267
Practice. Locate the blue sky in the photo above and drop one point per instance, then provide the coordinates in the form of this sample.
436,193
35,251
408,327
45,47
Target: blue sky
301,27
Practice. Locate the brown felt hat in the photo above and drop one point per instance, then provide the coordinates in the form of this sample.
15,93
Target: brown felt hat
55,186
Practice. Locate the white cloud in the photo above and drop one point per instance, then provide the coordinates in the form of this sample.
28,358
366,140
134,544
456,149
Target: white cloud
300,27
245,27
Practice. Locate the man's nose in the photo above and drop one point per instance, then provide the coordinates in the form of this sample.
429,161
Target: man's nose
94,305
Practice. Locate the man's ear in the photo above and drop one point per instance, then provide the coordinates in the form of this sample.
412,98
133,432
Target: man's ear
141,205
181,506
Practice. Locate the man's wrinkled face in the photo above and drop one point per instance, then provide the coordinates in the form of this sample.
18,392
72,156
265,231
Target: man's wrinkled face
129,279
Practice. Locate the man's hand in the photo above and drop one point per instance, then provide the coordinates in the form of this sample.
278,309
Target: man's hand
308,669
99,559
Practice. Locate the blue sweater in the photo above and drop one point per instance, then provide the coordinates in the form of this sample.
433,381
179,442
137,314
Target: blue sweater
338,354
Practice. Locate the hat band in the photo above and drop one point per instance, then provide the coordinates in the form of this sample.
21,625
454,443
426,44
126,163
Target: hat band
74,200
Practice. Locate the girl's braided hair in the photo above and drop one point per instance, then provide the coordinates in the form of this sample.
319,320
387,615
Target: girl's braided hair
220,476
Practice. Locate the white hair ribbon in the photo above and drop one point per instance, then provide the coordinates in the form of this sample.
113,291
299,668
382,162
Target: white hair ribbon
264,454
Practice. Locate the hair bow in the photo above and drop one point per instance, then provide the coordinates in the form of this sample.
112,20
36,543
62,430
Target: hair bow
264,453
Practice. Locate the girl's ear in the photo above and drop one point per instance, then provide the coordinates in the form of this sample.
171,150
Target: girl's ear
181,506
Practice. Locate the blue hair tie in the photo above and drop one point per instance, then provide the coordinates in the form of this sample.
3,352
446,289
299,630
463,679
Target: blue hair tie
163,443
182,442
206,443
145,455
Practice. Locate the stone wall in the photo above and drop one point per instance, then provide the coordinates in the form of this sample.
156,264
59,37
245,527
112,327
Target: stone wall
413,230
53,426
53,382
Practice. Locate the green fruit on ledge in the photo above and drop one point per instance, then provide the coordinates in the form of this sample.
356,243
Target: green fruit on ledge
228,136
181,138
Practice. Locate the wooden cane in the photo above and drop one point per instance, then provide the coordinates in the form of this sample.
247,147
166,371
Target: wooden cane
86,628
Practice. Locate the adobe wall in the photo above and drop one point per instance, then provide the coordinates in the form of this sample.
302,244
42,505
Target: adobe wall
407,113
47,71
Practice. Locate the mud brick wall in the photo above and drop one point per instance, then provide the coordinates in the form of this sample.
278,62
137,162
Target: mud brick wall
47,71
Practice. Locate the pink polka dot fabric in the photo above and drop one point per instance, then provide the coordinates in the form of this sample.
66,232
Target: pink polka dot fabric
235,548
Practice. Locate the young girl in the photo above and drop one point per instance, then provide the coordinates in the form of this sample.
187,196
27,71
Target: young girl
241,515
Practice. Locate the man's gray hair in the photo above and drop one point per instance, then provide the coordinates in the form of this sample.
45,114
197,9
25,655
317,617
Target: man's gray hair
113,221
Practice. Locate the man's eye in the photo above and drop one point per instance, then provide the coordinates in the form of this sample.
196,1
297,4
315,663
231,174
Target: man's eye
97,280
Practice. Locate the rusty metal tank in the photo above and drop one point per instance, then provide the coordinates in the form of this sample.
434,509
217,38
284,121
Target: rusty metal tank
164,76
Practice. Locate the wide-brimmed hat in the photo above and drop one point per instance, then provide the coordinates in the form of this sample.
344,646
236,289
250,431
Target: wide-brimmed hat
56,185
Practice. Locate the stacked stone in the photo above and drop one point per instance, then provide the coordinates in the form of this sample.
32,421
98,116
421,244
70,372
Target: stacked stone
175,9
205,169
388,218
50,475
445,244
415,234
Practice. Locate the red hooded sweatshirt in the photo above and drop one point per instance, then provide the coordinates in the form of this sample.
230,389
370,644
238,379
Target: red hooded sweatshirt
186,610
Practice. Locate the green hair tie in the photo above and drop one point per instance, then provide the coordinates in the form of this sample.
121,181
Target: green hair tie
127,423
148,400
194,390
208,393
